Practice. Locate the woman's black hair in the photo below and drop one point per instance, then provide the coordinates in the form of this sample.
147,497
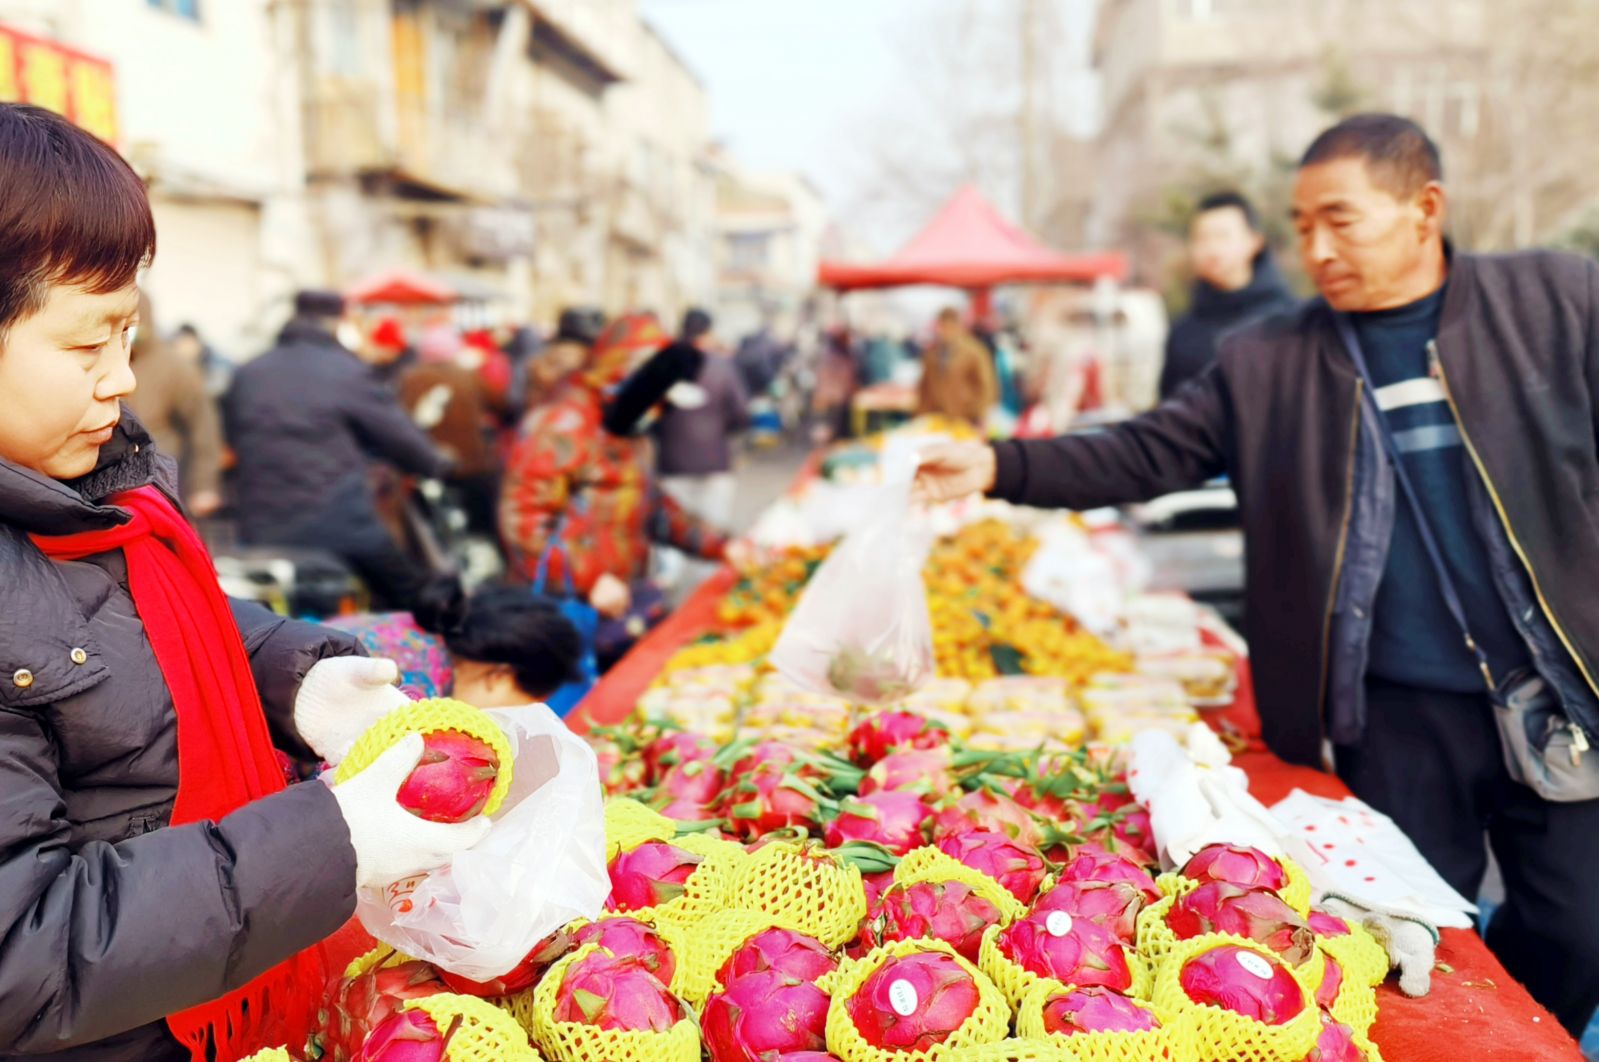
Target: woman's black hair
505,625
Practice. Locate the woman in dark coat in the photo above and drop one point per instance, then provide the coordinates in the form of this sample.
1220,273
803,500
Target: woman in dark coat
163,889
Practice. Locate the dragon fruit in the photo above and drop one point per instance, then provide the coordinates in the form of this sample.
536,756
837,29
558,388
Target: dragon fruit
762,1014
770,798
882,733
697,781
925,772
807,1056
1245,981
651,874
452,781
628,938
891,819
984,809
1074,951
1092,863
409,1036
1112,904
1249,868
914,1003
776,754
361,1004
875,885
611,993
1135,830
792,954
1096,1010
1019,868
620,770
1326,925
1332,982
944,910
523,975
1218,907
1335,1044
676,749
683,810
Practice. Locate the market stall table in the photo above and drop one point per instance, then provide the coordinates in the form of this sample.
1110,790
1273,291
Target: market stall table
1475,1011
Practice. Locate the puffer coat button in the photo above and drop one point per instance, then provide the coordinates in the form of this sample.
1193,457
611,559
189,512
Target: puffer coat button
22,679
79,657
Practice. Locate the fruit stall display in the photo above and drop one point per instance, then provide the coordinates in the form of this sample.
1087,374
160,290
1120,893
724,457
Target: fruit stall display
897,895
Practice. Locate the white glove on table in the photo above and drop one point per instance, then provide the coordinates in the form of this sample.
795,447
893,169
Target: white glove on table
340,698
390,843
1411,944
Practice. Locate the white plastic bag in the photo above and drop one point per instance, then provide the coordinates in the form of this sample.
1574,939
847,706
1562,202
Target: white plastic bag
541,865
861,628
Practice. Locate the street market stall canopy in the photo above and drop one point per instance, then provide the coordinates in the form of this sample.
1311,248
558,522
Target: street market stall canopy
401,287
969,244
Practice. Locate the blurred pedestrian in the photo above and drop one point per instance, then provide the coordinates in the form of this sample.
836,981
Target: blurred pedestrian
214,367
304,420
958,378
180,416
1235,282
566,352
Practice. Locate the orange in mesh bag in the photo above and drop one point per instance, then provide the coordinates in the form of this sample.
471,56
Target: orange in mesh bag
1067,949
1083,1020
1268,1016
803,888
913,999
626,1015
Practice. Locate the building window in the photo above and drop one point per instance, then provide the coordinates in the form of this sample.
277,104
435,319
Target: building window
189,9
750,250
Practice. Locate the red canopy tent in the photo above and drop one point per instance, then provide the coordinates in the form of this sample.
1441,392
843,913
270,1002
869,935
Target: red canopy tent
402,287
969,244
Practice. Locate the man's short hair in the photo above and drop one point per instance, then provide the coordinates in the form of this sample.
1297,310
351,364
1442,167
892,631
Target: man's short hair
318,302
696,323
1399,154
72,211
1230,200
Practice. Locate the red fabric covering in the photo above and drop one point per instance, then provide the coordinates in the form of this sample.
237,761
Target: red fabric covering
968,244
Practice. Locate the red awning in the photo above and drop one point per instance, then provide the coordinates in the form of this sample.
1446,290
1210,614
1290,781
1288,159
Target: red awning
402,287
968,244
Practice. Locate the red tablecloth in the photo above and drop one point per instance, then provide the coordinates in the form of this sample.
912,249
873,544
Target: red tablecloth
1475,1012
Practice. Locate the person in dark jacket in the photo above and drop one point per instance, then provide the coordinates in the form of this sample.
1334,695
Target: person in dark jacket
1235,282
160,880
1487,373
304,421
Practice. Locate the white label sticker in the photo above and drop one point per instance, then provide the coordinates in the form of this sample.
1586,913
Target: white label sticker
902,997
1059,923
1255,964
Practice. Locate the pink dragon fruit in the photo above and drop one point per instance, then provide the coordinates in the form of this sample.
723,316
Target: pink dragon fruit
807,1056
523,976
983,809
683,810
936,991
764,1014
1090,862
1018,867
945,910
1112,904
697,781
409,1036
1096,1010
1136,831
651,874
1074,951
775,754
361,1004
452,781
770,798
628,938
1217,907
891,819
1245,981
792,954
620,770
925,772
610,993
1332,982
1335,1044
883,732
1249,868
676,749
875,885
1326,925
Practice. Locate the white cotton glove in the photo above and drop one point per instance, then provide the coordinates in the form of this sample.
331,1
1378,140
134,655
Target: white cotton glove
390,843
340,698
1412,945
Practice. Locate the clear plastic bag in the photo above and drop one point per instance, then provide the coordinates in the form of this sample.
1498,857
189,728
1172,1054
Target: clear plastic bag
541,865
861,628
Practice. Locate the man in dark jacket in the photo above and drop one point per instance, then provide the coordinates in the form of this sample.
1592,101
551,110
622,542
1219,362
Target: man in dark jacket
304,420
1486,371
1235,282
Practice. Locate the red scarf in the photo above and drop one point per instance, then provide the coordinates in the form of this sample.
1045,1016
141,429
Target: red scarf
225,753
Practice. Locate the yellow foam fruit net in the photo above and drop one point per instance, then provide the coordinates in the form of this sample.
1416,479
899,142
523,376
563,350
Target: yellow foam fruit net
805,890
707,947
1016,982
426,717
1356,1002
271,1054
1362,958
931,865
1153,1045
1209,1032
566,1041
629,824
712,887
1155,938
483,1032
988,1024
380,957
1296,893
1015,1050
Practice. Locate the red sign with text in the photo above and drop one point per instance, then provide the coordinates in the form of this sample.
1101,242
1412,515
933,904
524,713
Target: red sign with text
79,86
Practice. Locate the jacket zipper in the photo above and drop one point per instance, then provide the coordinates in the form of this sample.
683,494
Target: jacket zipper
1338,557
1579,739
